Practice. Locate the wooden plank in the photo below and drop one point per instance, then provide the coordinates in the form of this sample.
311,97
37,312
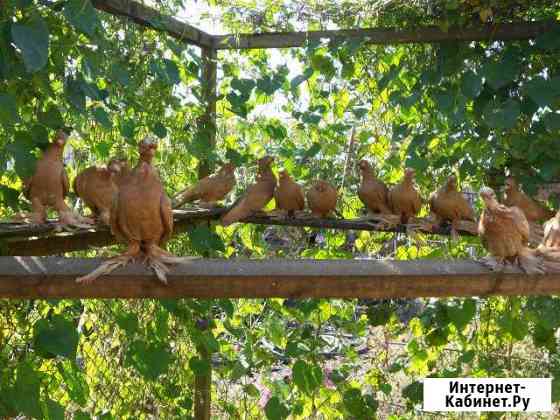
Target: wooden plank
24,240
54,277
151,18
426,34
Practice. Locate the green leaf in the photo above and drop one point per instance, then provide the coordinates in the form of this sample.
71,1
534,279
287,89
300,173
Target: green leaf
51,117
445,101
102,118
22,151
359,407
56,336
312,151
127,128
414,392
471,85
275,410
199,366
159,130
172,71
54,410
461,315
379,314
149,359
32,38
91,90
81,15
128,322
9,197
244,86
307,377
549,40
500,73
75,95
8,109
39,136
204,240
298,80
235,157
81,415
324,65
27,392
75,381
544,92
119,74
502,116
552,122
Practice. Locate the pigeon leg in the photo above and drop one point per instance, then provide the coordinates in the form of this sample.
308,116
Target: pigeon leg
68,217
158,260
112,264
39,214
530,262
454,232
493,263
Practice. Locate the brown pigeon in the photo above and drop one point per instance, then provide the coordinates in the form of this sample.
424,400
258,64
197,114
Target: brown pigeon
372,191
289,194
321,198
549,249
141,217
504,232
448,204
257,196
209,190
404,198
96,187
49,185
534,211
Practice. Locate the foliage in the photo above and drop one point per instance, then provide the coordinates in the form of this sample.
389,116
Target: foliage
478,109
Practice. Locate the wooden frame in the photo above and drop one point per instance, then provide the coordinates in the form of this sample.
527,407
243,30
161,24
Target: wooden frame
54,277
51,278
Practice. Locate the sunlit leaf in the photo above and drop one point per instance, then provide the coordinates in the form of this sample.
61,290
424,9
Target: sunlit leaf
307,377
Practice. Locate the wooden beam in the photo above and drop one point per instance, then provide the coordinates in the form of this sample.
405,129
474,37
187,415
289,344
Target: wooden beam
426,34
24,240
54,277
27,240
151,18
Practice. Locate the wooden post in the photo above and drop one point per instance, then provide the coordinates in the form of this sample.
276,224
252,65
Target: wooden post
203,389
207,124
207,128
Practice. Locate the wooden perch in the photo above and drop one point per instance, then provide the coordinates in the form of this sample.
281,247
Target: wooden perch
53,277
20,239
151,18
426,34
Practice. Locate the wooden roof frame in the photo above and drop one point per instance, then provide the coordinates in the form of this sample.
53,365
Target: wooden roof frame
150,17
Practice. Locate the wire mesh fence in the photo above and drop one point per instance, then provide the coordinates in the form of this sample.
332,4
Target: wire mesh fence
138,359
